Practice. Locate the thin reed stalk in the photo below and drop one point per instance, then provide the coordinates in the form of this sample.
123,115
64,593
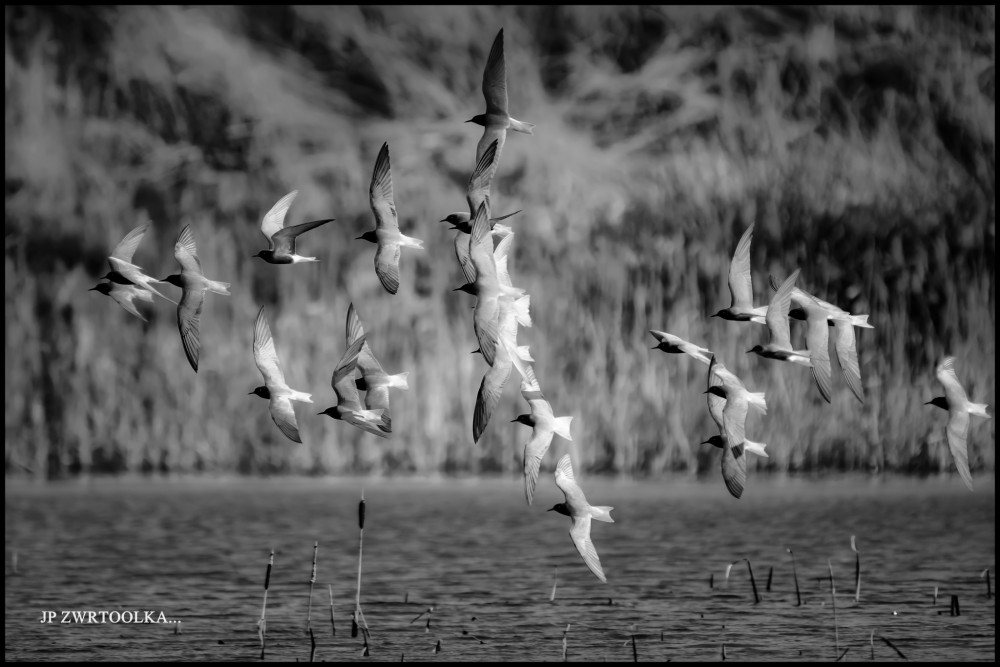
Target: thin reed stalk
333,625
857,571
798,595
753,581
312,581
555,580
833,598
359,617
565,643
262,623
989,586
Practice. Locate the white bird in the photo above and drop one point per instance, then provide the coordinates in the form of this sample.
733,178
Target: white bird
741,308
348,407
677,345
374,381
281,239
577,508
733,427
125,295
497,120
124,272
386,233
718,374
544,425
959,407
275,389
779,345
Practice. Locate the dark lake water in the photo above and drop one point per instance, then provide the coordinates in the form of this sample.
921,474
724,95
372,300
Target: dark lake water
197,550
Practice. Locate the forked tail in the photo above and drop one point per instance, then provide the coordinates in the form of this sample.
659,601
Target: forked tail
521,126
756,399
218,287
521,310
301,396
980,410
399,380
561,427
757,448
601,513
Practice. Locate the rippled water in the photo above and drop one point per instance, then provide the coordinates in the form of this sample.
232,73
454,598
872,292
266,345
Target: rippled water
197,550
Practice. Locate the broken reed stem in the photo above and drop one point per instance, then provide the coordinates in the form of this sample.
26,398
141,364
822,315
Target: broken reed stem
857,571
555,580
986,573
833,598
893,647
955,610
262,623
312,649
565,634
841,657
333,626
798,596
935,595
753,582
871,641
635,652
770,574
312,581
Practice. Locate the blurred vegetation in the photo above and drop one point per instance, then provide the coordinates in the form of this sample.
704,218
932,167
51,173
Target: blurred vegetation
860,139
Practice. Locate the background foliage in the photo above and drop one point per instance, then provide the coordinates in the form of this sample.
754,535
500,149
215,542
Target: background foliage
860,139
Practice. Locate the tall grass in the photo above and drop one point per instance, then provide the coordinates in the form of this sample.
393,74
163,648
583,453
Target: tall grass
860,139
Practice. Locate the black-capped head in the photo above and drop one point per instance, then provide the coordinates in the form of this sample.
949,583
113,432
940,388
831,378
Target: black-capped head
940,401
561,508
264,254
715,441
716,390
331,412
527,420
261,391
103,288
370,236
478,119
174,279
756,348
457,220
468,288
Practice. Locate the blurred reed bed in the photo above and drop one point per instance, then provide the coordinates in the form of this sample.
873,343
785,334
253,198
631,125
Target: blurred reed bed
860,139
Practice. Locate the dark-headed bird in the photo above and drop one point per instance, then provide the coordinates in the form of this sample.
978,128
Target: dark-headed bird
577,508
741,308
194,285
476,192
496,120
348,407
374,381
278,393
544,426
486,286
959,407
726,391
123,271
677,345
386,233
779,345
281,239
125,295
844,339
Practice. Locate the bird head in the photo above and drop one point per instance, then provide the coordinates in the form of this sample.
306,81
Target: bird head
103,288
456,219
331,412
524,419
716,390
263,254
468,288
940,401
715,441
478,119
561,508
756,348
368,236
261,391
173,279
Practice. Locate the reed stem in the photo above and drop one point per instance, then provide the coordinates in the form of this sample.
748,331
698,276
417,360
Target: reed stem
833,598
312,581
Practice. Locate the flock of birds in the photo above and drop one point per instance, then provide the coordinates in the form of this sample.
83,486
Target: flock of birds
482,246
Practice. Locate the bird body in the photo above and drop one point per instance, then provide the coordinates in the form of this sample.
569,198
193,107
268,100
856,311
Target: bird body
730,414
193,284
124,272
275,389
676,345
507,354
497,120
779,345
544,426
281,239
386,233
374,380
348,407
959,408
582,512
741,308
125,295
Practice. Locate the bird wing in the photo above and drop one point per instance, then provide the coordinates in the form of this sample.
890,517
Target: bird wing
464,258
740,285
367,363
265,355
280,407
124,295
492,135
365,425
580,532
734,417
478,189
343,377
126,247
734,467
377,398
495,79
777,313
847,352
188,316
481,247
387,265
486,322
958,435
566,481
716,403
380,193
490,391
186,253
953,389
274,220
534,451
500,254
818,342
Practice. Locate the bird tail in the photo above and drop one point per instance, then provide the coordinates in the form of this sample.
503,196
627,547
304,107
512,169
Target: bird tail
755,448
861,321
979,409
410,242
399,380
561,427
502,231
801,357
511,291
601,513
521,126
300,396
524,353
218,287
521,310
756,399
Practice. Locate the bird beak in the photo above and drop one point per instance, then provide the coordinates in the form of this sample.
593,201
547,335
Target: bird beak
249,392
359,238
705,442
443,220
657,347
927,403
513,420
321,413
550,509
749,351
91,289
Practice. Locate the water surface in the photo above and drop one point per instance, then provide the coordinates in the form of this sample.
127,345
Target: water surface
197,550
